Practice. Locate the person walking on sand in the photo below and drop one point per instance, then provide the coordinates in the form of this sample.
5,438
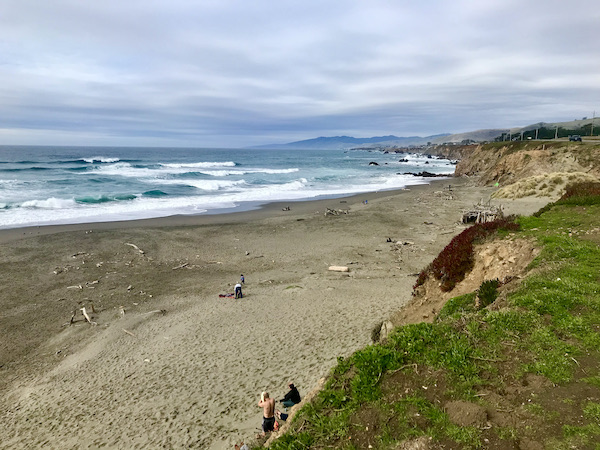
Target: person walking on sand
268,406
242,279
238,291
292,397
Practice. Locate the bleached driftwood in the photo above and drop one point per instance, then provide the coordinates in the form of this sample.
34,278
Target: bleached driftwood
128,332
87,317
336,212
136,247
156,311
339,268
180,267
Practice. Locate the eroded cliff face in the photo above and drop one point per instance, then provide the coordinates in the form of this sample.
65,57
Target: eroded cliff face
452,151
510,162
504,259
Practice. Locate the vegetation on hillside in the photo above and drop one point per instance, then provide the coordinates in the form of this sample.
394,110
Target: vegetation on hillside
509,162
522,372
456,259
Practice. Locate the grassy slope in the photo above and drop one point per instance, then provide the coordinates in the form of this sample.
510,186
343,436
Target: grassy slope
520,374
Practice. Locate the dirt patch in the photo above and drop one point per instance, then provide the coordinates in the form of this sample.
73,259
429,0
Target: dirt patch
466,414
505,260
365,427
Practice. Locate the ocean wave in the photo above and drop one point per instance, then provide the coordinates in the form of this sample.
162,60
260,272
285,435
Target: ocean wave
100,159
124,169
105,198
25,169
11,183
292,185
225,173
199,165
49,203
204,185
155,193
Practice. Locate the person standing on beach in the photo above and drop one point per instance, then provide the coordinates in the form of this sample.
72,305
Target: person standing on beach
242,278
268,406
238,291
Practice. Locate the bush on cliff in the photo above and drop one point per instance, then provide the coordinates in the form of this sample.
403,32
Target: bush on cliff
456,260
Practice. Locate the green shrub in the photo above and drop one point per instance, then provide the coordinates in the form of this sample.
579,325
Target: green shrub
488,292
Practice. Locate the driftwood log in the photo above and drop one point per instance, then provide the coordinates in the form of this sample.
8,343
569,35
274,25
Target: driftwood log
136,247
336,212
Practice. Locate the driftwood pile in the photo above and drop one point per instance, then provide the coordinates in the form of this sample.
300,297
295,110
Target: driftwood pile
482,213
336,212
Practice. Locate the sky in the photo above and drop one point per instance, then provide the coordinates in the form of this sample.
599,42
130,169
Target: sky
237,73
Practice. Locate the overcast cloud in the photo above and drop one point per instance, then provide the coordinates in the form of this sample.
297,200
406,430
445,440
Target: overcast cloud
232,73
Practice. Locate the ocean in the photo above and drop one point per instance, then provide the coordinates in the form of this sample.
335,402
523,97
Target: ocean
66,185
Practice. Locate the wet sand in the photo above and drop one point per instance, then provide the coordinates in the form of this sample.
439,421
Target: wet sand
167,362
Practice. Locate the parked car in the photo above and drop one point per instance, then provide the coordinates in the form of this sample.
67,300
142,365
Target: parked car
575,138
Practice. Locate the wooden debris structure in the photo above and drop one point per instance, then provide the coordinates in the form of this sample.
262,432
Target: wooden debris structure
336,212
482,213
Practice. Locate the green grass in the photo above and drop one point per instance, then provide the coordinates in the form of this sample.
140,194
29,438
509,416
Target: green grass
549,327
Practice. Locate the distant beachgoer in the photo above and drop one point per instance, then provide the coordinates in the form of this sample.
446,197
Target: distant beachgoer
242,279
268,406
292,397
242,446
238,291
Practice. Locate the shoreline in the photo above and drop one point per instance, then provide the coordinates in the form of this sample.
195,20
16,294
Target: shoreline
168,362
260,212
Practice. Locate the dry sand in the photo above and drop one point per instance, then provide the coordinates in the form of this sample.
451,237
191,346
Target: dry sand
182,367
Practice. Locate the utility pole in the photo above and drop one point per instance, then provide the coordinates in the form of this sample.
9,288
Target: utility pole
536,133
556,133
592,130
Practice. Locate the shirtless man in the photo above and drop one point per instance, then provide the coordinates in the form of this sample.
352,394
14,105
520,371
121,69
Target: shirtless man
268,406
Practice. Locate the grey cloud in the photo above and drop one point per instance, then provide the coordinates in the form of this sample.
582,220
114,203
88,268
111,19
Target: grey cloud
233,73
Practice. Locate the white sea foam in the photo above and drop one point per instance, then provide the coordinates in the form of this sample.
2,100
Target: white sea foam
199,165
224,173
100,159
204,185
50,203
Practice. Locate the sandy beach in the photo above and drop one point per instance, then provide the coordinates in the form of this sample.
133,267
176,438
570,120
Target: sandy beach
167,362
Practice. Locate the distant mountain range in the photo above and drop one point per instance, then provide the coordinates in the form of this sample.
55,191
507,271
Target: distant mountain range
347,142
344,142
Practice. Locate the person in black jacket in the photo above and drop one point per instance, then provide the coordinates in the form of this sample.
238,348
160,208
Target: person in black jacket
292,397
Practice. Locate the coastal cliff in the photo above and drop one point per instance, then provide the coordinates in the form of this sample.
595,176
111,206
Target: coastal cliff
507,163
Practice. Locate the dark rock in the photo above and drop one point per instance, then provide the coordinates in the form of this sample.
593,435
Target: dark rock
426,174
